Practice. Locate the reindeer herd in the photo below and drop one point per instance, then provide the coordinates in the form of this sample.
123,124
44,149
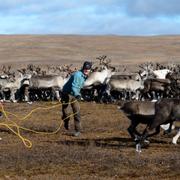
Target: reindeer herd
105,84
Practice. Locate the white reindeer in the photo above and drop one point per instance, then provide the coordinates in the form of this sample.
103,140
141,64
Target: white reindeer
161,73
56,82
13,86
99,77
124,85
132,83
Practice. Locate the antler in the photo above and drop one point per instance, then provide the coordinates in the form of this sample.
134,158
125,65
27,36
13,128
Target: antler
6,70
106,62
146,66
101,59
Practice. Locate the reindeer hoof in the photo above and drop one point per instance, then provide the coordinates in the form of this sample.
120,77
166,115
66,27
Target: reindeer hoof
14,101
147,142
174,142
29,102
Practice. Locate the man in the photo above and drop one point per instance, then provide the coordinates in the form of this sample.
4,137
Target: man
71,95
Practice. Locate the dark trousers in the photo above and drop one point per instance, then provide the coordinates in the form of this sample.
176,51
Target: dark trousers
69,102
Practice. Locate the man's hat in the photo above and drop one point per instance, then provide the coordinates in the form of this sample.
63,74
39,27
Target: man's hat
87,65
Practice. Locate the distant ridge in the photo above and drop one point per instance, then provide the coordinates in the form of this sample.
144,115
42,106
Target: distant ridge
60,49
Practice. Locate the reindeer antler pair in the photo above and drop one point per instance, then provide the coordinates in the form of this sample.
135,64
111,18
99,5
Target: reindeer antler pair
103,60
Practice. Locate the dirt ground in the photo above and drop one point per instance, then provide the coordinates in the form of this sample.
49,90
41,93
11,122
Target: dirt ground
104,150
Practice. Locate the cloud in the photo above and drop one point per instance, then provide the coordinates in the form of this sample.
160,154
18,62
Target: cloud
123,17
152,8
131,7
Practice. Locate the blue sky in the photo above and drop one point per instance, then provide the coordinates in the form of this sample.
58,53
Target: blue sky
92,17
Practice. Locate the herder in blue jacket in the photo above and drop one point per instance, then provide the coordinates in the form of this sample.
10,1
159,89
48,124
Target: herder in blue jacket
71,93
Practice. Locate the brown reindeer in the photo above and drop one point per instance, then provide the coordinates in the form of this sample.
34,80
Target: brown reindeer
166,111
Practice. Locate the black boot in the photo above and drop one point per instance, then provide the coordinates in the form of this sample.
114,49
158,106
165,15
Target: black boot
66,125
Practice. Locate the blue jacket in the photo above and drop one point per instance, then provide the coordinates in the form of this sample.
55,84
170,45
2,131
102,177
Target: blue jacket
75,83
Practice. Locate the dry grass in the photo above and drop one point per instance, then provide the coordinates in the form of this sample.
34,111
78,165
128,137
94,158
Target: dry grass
103,151
56,49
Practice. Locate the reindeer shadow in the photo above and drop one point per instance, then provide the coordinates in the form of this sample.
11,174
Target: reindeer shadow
113,142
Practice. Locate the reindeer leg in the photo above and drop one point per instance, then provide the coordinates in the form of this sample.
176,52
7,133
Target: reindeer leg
2,95
12,96
157,131
169,129
154,95
132,129
26,94
55,93
147,131
175,138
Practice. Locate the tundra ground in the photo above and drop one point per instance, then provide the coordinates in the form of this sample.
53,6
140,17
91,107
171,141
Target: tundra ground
103,151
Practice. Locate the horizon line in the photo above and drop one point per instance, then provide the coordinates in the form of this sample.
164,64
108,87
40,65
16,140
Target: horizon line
54,34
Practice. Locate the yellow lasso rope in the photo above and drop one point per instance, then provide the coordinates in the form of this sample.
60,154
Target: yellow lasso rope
26,141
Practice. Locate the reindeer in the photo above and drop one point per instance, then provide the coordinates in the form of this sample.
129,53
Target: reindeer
166,111
7,73
12,85
155,88
97,79
174,78
159,73
55,82
140,112
125,86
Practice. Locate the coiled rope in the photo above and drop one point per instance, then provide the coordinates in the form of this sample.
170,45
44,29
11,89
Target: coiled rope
15,128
